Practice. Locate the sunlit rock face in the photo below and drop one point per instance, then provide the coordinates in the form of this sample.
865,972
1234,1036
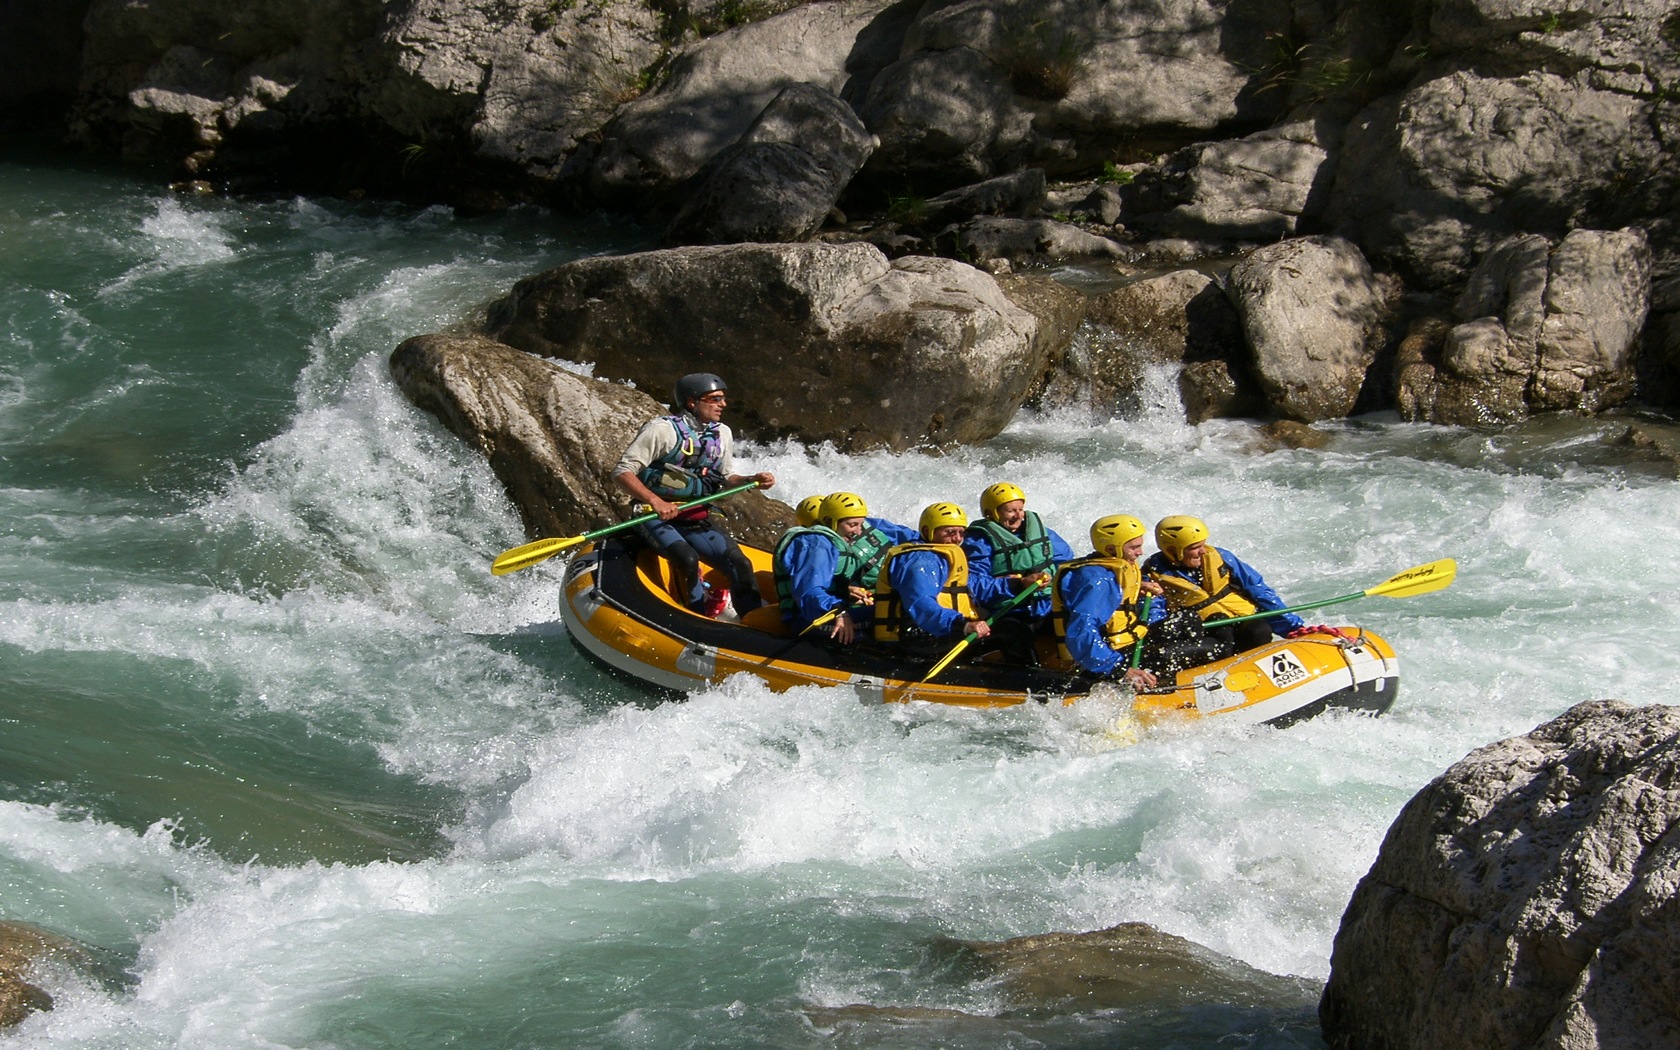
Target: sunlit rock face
1525,898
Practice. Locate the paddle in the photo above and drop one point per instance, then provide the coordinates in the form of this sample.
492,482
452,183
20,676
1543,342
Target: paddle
971,636
1419,579
831,615
1143,618
523,557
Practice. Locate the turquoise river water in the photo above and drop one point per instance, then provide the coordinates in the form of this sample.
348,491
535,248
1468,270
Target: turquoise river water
278,746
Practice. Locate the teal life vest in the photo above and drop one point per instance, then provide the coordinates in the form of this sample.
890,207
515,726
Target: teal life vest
784,578
1024,554
870,551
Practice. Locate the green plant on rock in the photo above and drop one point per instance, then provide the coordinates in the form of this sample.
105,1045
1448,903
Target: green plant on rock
1043,60
907,209
1310,72
1115,174
413,153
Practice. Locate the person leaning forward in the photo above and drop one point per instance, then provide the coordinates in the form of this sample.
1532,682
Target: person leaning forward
821,568
682,456
1214,584
1097,612
922,603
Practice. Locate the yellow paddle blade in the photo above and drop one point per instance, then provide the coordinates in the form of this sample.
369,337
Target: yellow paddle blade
527,555
1419,579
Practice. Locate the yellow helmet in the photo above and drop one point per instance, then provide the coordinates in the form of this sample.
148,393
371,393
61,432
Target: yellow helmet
995,496
808,509
838,506
939,515
1175,532
1115,531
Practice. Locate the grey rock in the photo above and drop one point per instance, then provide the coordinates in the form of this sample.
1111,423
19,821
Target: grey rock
1597,298
1019,195
1432,179
1541,328
820,342
1255,188
551,436
1311,310
990,237
987,86
1525,898
717,88
782,179
522,81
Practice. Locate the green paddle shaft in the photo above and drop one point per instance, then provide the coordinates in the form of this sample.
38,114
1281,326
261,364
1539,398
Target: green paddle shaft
527,555
1143,618
1420,579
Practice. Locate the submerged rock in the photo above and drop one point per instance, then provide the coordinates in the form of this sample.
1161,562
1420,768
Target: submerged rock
1130,966
23,948
1528,897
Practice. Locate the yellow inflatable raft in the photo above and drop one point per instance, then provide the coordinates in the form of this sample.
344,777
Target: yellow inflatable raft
618,606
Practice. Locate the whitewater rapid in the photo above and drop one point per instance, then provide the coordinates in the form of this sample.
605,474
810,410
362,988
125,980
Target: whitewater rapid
305,774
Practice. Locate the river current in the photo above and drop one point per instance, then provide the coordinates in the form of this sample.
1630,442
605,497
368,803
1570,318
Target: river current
303,773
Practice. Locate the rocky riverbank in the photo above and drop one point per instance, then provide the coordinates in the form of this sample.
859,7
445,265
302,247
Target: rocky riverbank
1461,210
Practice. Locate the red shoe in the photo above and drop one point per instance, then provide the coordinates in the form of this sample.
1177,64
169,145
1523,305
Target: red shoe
717,600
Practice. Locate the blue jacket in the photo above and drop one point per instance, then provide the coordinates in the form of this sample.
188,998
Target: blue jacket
917,576
1243,578
898,533
992,591
1091,594
811,559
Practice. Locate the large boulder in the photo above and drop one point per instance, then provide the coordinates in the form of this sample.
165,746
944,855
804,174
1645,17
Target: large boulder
819,342
1261,187
783,178
1312,312
1431,179
526,80
987,86
394,92
716,89
1528,897
551,436
1539,327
